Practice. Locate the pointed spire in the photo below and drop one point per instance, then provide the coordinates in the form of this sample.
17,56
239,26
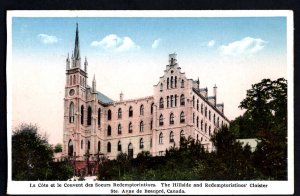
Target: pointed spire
68,62
76,49
94,85
85,64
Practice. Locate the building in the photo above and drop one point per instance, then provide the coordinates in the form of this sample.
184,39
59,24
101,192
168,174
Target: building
97,125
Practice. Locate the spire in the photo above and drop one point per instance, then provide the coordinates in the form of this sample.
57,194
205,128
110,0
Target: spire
68,62
85,64
76,49
94,85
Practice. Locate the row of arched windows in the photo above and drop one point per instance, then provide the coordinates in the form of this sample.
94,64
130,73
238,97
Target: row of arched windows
172,83
171,101
130,129
130,147
73,80
171,119
89,114
171,137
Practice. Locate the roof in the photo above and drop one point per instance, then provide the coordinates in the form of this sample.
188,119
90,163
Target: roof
103,98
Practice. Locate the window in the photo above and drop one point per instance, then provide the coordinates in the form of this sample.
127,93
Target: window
209,115
130,128
161,103
151,125
81,144
108,147
168,83
182,100
74,79
152,107
161,120
109,115
141,143
142,110
193,117
197,138
194,102
70,148
160,139
171,81
172,100
182,83
130,111
119,113
205,128
89,119
201,125
175,81
70,80
99,117
171,137
168,101
197,121
108,130
119,146
119,129
181,135
141,126
89,145
161,86
205,111
171,119
218,122
175,101
201,108
214,119
160,153
82,115
209,130
198,105
99,146
130,150
71,113
182,118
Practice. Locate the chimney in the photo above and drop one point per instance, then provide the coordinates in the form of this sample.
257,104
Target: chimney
215,94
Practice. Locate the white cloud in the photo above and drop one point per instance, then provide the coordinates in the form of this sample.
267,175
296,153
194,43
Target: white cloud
114,42
155,43
245,46
47,39
211,43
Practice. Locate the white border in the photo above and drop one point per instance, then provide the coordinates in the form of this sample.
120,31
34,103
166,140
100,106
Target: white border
274,187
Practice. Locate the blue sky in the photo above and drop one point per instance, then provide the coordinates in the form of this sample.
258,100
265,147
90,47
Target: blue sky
130,54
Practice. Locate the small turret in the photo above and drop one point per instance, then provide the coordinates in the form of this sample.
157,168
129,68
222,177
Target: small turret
68,63
85,64
121,96
94,85
215,94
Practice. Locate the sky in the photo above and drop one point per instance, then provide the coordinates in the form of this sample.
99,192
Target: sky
129,54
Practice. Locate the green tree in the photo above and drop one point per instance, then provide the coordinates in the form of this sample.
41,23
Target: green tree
58,148
31,154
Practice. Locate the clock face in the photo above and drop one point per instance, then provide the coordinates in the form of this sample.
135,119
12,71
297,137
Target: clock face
71,92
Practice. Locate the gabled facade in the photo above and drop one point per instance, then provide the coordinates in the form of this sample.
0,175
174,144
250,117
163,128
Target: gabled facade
97,124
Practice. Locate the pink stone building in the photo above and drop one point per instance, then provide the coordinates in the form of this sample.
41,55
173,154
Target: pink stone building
97,124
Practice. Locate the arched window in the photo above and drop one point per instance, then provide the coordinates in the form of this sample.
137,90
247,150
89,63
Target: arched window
171,81
152,107
172,101
119,113
141,143
182,100
209,115
71,113
70,148
201,125
142,110
99,146
161,103
181,134
205,128
161,86
168,101
182,118
74,79
89,119
130,128
119,129
119,146
99,117
108,130
171,137
201,108
82,115
130,111
160,140
197,138
197,121
194,102
182,83
70,80
161,120
193,117
89,145
175,81
108,147
171,118
141,126
109,115
198,105
168,83
80,81
175,101
130,150
81,144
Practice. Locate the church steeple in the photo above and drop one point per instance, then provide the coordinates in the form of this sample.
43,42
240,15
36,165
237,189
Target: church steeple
77,59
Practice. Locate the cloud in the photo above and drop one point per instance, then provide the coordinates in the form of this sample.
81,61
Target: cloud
47,39
116,43
211,43
245,46
155,43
